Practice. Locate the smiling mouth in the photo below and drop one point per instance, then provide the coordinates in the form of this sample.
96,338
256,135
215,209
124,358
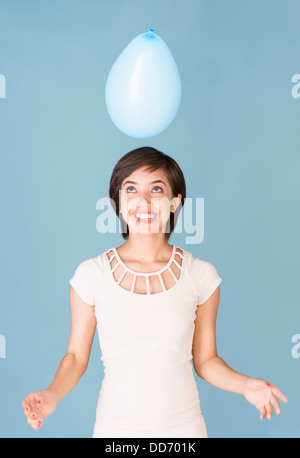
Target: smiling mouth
144,217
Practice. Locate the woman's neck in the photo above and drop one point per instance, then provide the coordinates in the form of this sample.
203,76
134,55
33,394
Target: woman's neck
145,249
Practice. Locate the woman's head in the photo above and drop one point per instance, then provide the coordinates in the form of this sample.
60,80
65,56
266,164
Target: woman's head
146,180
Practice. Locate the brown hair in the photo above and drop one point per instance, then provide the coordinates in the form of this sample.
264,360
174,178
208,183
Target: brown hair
153,159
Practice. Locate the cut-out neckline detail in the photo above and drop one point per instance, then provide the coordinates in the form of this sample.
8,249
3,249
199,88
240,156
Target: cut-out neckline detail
132,278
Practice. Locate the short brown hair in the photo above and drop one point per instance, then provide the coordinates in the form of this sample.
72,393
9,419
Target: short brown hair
153,159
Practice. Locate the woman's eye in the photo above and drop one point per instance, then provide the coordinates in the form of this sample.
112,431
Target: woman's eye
131,187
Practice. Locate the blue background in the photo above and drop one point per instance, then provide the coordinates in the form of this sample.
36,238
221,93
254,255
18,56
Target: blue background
236,138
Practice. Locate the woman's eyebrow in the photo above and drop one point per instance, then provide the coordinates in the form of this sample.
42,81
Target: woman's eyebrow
151,182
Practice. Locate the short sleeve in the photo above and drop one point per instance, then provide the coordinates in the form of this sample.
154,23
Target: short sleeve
206,279
82,282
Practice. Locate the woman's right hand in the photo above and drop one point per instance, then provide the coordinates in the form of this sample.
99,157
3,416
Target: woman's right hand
37,406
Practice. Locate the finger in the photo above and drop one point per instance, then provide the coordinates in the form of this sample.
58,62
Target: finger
30,400
263,413
36,412
26,402
27,408
275,403
278,393
37,404
38,397
31,413
35,424
39,423
27,411
269,408
34,415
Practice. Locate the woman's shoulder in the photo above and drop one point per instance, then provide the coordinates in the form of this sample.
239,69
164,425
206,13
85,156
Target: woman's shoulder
204,275
196,264
87,276
197,267
93,264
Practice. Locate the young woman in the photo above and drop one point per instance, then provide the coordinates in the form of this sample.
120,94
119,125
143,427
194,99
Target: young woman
155,306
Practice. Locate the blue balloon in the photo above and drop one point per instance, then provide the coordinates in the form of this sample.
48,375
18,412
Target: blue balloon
143,88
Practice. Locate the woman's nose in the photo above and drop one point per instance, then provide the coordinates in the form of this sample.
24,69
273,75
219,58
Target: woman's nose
143,204
144,198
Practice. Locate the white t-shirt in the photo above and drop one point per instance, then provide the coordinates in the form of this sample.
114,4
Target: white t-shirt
148,389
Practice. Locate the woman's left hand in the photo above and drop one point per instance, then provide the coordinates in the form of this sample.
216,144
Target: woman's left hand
262,395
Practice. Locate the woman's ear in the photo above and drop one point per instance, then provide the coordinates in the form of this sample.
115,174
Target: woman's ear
175,202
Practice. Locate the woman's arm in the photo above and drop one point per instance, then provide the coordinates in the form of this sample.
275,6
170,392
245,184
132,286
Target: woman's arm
210,367
40,404
75,362
216,372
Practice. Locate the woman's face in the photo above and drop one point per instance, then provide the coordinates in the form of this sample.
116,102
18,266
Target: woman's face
146,201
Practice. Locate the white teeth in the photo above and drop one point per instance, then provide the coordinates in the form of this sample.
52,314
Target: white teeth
144,216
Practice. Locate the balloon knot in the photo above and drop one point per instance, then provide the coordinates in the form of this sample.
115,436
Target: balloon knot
151,32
